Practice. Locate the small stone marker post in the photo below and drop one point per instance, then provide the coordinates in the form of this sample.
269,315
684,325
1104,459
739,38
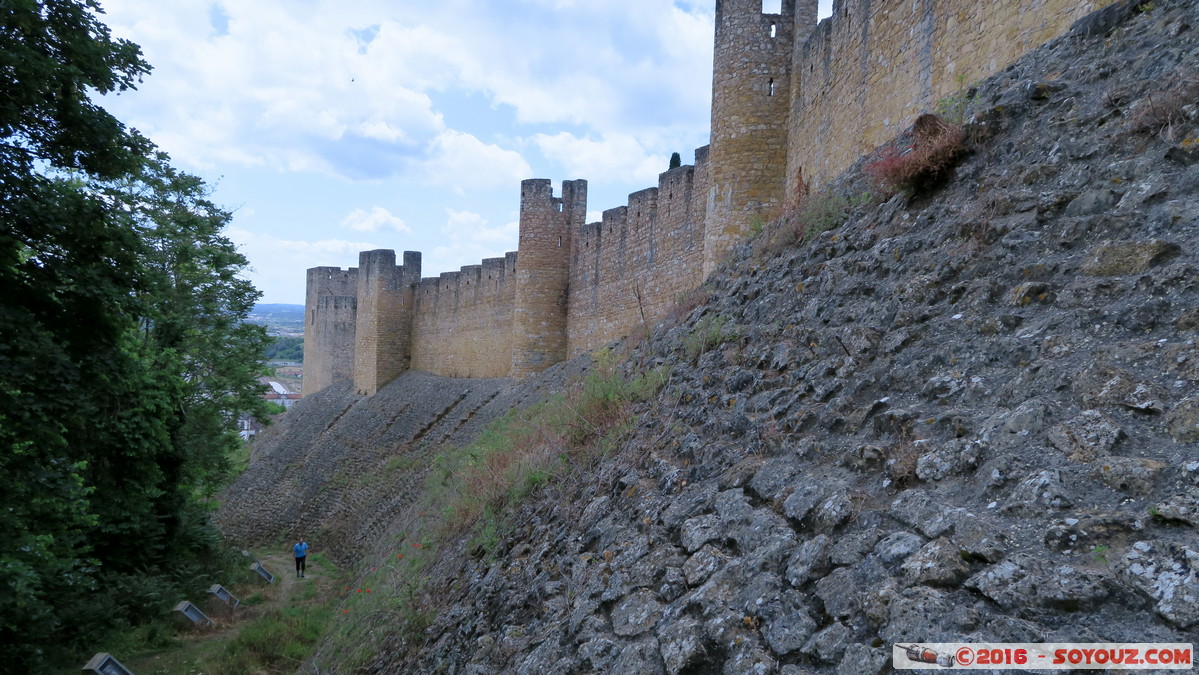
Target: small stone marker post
105,664
263,574
224,595
191,615
221,601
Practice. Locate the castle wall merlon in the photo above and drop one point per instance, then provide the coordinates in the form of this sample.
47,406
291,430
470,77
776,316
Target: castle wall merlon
640,197
333,280
614,216
471,275
493,269
410,271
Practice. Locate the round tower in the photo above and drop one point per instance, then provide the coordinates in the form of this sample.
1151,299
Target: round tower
751,81
543,272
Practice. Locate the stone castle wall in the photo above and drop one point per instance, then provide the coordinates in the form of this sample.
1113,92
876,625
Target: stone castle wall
870,69
793,104
463,324
634,263
543,272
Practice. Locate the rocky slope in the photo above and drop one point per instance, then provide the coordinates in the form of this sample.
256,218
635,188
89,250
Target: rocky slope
342,468
972,416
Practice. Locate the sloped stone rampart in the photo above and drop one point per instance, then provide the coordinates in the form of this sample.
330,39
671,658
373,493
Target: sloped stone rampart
339,466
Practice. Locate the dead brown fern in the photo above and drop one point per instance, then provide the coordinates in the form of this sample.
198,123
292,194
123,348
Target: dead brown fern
937,146
1161,113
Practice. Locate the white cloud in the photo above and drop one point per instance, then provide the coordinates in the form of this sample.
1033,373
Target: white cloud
374,220
426,104
278,266
468,240
457,160
350,90
619,154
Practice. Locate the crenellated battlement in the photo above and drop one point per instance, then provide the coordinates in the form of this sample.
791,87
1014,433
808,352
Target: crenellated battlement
794,103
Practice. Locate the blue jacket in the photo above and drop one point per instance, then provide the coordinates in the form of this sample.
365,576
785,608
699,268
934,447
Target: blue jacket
301,549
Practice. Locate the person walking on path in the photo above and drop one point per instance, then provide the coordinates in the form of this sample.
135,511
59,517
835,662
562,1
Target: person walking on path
301,551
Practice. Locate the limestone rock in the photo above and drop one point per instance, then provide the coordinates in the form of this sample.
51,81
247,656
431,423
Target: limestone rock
839,591
1117,259
810,560
1134,475
917,614
1183,508
1168,574
787,633
1108,385
1183,421
802,501
851,548
860,659
682,645
1043,489
1086,437
701,530
896,547
1021,582
938,563
636,614
830,643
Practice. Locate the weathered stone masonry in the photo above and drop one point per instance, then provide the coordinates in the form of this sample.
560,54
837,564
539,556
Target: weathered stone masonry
793,103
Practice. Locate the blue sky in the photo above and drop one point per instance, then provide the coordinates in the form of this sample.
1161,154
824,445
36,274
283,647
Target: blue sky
332,127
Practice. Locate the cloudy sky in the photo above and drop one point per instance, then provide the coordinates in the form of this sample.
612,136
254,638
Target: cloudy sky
330,127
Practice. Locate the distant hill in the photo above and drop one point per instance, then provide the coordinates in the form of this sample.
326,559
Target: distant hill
280,319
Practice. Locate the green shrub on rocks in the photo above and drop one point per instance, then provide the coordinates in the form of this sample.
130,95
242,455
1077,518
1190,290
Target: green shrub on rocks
710,332
523,450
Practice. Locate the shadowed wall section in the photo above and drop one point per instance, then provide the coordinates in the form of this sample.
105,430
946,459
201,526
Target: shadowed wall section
383,334
331,311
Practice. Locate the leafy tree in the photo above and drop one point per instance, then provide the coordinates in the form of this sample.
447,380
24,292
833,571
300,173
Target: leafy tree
66,267
675,160
283,348
123,355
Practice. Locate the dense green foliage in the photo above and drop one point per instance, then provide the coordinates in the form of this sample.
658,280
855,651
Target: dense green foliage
123,359
283,348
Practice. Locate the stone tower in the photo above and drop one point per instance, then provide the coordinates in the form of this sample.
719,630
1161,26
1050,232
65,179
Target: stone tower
329,323
751,99
543,272
383,335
